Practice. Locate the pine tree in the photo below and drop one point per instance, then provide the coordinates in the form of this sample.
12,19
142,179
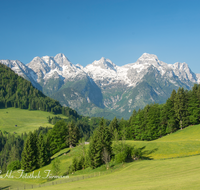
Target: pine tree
173,96
194,105
57,137
73,135
153,122
168,117
100,140
180,107
42,157
14,154
114,125
29,161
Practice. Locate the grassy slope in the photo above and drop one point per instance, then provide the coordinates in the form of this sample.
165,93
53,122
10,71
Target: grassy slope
151,174
24,119
181,143
179,173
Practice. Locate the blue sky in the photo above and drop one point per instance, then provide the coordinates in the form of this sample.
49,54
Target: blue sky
86,30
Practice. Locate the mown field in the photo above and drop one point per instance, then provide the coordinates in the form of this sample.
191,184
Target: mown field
182,143
176,174
24,119
171,167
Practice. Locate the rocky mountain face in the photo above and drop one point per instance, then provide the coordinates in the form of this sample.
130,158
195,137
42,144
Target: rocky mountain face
103,88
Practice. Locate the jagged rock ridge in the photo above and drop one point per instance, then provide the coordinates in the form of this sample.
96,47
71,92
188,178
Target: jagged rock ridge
102,87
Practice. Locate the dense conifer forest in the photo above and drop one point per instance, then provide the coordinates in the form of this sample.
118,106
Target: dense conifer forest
17,92
156,120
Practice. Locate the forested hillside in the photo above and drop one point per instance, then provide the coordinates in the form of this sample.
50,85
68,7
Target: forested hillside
17,92
156,120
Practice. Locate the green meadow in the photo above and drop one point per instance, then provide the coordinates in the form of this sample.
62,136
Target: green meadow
24,119
182,143
174,163
176,174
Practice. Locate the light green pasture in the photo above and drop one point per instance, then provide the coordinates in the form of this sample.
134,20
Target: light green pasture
176,174
24,119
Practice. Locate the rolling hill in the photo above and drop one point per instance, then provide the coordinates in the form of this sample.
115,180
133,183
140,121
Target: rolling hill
162,172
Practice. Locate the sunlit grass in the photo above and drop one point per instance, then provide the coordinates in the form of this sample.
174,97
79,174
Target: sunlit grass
22,120
172,173
178,173
182,143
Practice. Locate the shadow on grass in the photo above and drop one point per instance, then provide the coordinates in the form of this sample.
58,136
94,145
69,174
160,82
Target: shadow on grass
65,153
5,188
142,154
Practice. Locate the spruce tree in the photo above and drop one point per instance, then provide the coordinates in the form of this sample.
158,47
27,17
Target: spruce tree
153,122
73,135
29,161
180,107
114,125
194,105
100,141
42,156
57,137
168,117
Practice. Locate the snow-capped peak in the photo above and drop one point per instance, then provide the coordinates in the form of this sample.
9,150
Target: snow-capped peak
49,61
79,66
183,71
104,64
103,70
147,58
62,60
181,66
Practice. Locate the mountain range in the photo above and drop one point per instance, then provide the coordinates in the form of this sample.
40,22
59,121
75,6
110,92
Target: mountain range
102,88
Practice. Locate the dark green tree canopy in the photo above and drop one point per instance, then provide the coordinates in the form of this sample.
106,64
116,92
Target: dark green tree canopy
16,91
100,141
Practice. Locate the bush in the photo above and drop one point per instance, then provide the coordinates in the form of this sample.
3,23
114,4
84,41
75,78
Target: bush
120,157
124,152
14,165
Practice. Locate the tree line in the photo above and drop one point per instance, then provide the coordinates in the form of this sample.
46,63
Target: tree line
156,120
86,125
152,122
103,150
17,92
33,150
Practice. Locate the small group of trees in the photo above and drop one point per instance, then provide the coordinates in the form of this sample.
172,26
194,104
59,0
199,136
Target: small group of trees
102,149
35,149
63,135
86,125
100,143
11,147
35,153
15,149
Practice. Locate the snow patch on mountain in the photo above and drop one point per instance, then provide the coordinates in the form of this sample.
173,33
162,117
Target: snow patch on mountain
103,72
47,67
198,78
